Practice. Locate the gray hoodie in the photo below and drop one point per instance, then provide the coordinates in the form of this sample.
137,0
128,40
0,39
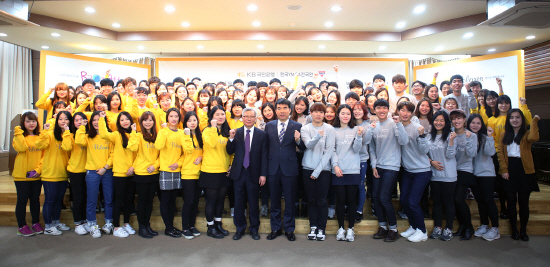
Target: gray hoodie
385,150
364,153
465,102
346,154
441,151
483,163
319,149
466,150
415,153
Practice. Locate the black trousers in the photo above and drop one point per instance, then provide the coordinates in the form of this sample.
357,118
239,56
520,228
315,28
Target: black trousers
443,196
346,195
28,191
168,207
279,184
523,200
215,198
301,192
78,187
246,191
191,193
122,196
317,191
146,192
483,190
462,209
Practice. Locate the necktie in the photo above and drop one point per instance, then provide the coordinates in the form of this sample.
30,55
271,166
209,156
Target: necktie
246,161
282,133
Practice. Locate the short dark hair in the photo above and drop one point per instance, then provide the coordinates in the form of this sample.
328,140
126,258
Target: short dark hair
238,81
106,82
381,102
178,80
282,101
355,83
251,83
88,81
274,80
142,90
318,106
154,79
406,104
191,84
32,117
261,84
476,83
336,122
334,84
169,84
457,76
237,102
312,84
444,83
379,76
399,78
352,95
196,78
119,82
321,83
423,84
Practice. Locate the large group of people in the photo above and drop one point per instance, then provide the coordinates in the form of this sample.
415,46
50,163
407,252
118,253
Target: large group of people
322,147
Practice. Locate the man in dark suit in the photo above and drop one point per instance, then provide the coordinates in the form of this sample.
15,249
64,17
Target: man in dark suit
283,139
248,171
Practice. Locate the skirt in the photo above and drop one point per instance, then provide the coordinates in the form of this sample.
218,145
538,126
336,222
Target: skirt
214,180
347,179
518,181
465,178
170,180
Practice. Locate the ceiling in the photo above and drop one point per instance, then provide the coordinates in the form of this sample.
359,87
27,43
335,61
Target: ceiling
217,15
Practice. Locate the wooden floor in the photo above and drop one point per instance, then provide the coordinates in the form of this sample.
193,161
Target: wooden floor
539,221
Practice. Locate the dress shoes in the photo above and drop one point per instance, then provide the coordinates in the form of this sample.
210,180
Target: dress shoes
238,235
290,236
255,235
274,235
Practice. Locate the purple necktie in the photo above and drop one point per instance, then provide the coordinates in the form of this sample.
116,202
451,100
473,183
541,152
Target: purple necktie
246,161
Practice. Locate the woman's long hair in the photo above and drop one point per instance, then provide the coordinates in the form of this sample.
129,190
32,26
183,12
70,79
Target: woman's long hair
489,110
502,99
224,130
509,134
198,133
149,137
32,117
336,123
481,134
294,115
57,131
446,130
124,132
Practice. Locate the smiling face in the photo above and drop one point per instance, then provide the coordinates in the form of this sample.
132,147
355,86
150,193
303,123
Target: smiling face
223,96
491,101
95,121
481,99
458,122
192,123
317,95
165,103
445,89
237,111
282,112
203,99
125,122
503,107
383,95
30,125
249,118
219,115
424,108
80,99
115,102
370,102
433,93
515,120
181,93
63,120
351,101
330,114
300,107
332,98
148,123
344,116
317,116
381,112
450,104
405,115
475,125
141,99
270,96
173,118
439,123
358,112
417,89
61,92
281,93
188,105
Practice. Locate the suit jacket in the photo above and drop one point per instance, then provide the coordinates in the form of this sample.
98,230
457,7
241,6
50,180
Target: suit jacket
258,154
283,154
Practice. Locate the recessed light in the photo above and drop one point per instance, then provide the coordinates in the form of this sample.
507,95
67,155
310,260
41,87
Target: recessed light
293,24
439,48
491,50
382,47
294,7
419,9
336,8
321,47
55,34
400,25
185,24
116,25
252,7
468,35
200,47
328,24
260,46
530,37
45,47
89,9
169,9
3,34
256,23
141,47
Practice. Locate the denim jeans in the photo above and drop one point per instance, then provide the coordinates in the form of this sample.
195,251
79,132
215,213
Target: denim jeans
53,200
362,190
412,189
381,196
93,180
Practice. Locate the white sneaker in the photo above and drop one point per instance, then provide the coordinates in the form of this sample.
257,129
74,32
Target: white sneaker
409,232
62,227
95,232
120,232
331,212
108,228
52,231
80,230
320,235
87,227
481,230
232,212
492,234
341,234
350,236
312,235
128,228
418,236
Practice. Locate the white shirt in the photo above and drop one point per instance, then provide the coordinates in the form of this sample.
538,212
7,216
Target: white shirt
280,126
251,134
513,150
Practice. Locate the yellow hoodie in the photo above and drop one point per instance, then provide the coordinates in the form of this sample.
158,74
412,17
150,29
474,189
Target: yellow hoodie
98,152
77,161
215,157
123,158
55,161
28,158
147,154
169,144
45,103
190,170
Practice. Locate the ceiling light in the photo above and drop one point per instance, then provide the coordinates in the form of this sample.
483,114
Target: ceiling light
116,25
294,7
90,47
530,37
468,35
400,25
45,47
321,47
252,7
328,24
439,48
169,9
141,47
293,24
382,47
3,34
185,24
256,24
260,46
419,9
336,8
491,50
55,34
200,47
89,9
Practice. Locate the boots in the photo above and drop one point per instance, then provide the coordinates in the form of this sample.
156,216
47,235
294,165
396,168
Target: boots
213,232
468,233
460,231
143,232
151,231
220,229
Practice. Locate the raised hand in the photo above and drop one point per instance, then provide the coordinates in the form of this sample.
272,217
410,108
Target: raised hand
205,109
499,81
536,117
102,114
232,133
134,127
468,133
373,124
187,131
396,119
164,125
322,133
522,101
335,67
436,74
490,131
214,123
453,136
359,130
46,126
420,130
296,135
